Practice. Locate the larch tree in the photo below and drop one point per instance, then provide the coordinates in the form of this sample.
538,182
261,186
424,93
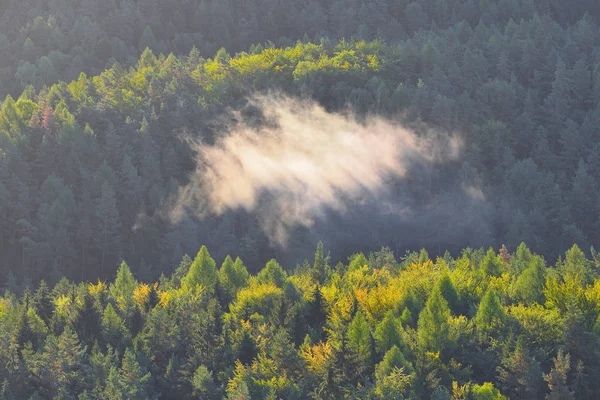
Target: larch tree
433,325
202,272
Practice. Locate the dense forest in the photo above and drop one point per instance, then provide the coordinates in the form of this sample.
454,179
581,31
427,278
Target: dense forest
88,166
119,118
483,326
43,41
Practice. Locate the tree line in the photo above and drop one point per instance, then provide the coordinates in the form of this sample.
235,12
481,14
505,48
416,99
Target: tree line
45,41
485,325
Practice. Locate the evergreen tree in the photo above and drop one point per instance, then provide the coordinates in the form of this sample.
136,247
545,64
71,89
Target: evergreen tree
433,325
202,272
359,344
557,378
490,316
122,289
387,333
133,379
530,284
272,273
320,269
449,293
520,374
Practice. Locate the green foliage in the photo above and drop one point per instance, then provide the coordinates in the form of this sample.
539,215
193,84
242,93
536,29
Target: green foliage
186,343
576,267
490,265
557,378
272,273
434,325
387,333
203,383
202,272
133,381
358,261
320,268
393,359
122,289
89,169
490,315
359,341
530,284
487,391
449,293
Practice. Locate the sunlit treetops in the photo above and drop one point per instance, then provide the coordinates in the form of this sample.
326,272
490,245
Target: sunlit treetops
383,328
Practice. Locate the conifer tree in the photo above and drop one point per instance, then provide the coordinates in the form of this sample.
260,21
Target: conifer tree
387,333
433,325
202,272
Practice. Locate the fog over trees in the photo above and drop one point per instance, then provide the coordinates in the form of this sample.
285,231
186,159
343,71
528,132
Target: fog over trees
133,133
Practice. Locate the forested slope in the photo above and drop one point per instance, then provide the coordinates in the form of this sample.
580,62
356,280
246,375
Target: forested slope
105,104
88,166
44,41
482,326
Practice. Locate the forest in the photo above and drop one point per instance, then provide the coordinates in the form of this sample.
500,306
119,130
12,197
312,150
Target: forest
485,325
119,122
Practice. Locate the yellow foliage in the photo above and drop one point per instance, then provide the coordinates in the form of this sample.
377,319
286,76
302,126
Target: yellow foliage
544,327
317,356
4,306
164,298
98,289
141,294
500,284
379,301
258,297
62,304
592,293
215,69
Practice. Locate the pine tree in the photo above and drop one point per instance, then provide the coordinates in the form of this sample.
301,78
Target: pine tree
393,358
316,315
433,326
246,348
490,316
5,392
113,326
530,284
359,344
320,269
449,293
122,289
112,388
580,387
147,40
42,301
490,265
520,374
387,333
233,275
272,273
202,272
203,383
133,379
557,378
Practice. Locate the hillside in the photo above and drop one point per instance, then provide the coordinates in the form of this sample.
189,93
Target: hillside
45,41
106,154
135,132
485,325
